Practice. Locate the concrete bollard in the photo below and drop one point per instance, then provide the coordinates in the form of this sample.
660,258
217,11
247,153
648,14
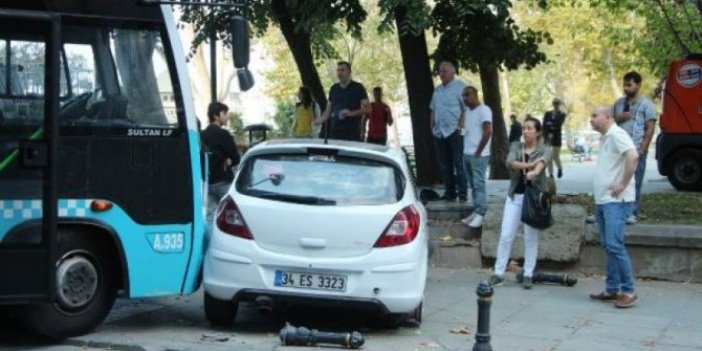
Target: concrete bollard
482,336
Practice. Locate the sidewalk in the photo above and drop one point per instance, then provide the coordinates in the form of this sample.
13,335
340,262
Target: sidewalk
547,318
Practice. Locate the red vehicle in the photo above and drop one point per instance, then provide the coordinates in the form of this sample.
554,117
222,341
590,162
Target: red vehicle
679,145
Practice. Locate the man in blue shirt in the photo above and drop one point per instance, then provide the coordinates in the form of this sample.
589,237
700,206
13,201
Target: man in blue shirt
447,126
637,115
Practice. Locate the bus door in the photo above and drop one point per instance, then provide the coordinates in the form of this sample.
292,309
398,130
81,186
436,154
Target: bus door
29,88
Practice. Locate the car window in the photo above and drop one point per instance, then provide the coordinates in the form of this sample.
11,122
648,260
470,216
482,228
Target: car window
321,180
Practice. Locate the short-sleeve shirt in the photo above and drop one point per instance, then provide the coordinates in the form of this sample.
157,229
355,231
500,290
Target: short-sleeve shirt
377,123
447,105
643,111
346,98
474,120
611,162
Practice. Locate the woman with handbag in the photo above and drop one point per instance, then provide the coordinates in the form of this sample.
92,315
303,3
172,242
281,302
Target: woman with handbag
526,161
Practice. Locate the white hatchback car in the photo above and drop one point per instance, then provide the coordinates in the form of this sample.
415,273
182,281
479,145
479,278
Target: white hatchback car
326,224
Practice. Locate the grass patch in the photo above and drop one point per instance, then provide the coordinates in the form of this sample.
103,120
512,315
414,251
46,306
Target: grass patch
659,208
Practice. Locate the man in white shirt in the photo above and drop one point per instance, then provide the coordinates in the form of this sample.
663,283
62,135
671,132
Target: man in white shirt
614,195
476,152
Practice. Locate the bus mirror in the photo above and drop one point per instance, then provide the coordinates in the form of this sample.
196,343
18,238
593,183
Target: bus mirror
246,80
239,28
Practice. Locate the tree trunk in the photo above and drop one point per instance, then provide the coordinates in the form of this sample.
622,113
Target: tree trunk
508,95
490,80
415,61
299,43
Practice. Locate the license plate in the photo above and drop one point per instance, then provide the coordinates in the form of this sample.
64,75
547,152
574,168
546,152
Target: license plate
329,282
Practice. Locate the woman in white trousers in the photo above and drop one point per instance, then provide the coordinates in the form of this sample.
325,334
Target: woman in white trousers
526,162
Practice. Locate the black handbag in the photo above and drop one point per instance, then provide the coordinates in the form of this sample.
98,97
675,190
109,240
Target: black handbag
536,206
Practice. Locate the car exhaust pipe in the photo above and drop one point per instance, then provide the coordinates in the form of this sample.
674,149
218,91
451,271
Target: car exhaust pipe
265,305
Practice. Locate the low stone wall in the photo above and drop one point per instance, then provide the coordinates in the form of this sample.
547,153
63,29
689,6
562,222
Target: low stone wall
665,252
560,243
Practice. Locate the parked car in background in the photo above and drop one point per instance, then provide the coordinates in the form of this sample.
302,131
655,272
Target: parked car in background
323,224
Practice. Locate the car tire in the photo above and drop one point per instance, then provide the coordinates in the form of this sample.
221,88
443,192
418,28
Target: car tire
220,312
87,272
685,170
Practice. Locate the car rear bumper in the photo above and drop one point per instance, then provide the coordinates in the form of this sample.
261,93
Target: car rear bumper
384,280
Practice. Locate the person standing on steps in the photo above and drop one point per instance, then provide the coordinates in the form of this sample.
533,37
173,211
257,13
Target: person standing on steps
553,130
380,119
447,127
637,115
476,152
614,195
526,162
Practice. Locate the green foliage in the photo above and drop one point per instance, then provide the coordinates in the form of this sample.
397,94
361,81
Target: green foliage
418,16
672,28
283,117
236,124
314,17
482,32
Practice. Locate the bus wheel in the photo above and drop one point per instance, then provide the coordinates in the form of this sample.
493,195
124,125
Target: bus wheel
685,170
220,312
86,287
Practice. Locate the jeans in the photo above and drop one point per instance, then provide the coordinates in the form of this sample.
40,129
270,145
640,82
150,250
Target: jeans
510,223
638,178
475,172
215,193
449,152
611,222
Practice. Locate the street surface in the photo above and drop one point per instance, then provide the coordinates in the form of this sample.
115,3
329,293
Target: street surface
546,318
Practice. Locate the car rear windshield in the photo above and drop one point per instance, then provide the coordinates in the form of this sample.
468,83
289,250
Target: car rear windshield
330,180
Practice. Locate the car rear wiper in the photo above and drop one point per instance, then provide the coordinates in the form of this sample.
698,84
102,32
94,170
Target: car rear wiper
298,199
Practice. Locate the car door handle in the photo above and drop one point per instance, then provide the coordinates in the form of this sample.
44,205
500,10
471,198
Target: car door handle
313,243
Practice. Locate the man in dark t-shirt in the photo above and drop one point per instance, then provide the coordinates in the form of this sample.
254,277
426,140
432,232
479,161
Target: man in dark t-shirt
223,155
515,130
347,106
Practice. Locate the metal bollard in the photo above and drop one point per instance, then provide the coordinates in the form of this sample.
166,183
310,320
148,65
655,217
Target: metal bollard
482,337
291,336
549,278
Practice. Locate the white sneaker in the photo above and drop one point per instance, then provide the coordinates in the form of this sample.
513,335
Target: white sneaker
631,220
467,220
476,222
590,219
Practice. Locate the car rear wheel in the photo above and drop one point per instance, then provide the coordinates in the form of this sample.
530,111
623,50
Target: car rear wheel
87,274
685,170
220,312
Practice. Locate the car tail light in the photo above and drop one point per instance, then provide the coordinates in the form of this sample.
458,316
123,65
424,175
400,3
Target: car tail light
402,230
230,220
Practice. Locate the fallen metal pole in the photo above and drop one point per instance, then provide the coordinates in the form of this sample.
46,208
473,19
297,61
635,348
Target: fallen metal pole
291,336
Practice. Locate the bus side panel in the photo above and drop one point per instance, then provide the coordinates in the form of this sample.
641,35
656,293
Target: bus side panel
199,230
156,255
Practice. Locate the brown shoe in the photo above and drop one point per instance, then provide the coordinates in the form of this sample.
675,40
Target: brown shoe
626,300
605,296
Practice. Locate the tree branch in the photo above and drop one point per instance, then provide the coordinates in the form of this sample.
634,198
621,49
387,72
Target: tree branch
676,34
